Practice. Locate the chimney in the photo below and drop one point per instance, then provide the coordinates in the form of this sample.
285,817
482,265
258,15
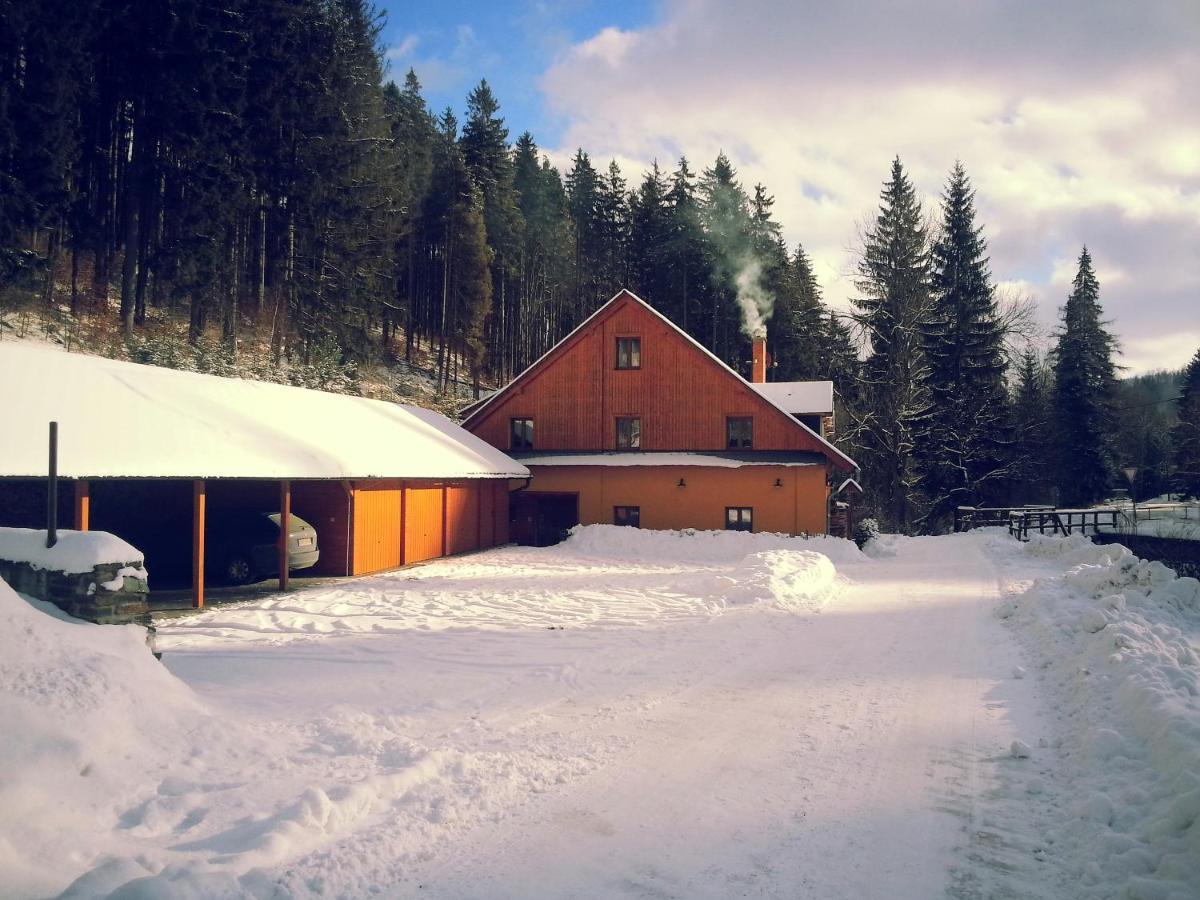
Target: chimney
758,371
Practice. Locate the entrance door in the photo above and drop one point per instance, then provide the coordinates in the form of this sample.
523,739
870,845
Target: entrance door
540,519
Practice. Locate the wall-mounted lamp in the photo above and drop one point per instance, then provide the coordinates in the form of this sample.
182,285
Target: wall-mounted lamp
682,483
778,482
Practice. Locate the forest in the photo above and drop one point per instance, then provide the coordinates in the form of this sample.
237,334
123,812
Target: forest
243,187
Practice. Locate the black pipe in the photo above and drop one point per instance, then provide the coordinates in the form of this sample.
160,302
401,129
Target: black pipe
52,490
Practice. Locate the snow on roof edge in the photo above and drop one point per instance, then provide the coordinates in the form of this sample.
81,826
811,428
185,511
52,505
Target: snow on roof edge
120,419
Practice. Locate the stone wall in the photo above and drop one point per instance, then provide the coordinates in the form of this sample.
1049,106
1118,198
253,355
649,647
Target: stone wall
111,593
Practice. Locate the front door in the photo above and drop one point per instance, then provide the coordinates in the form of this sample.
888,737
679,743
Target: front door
540,519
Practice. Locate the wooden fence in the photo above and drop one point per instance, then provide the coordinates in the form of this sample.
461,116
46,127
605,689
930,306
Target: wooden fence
1022,523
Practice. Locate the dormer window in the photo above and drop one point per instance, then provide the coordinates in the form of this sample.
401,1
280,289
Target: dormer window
629,353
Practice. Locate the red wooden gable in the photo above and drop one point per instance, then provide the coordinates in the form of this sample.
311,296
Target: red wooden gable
681,393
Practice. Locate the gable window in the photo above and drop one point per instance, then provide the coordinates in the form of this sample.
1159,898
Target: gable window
739,518
520,434
739,432
629,353
627,515
629,433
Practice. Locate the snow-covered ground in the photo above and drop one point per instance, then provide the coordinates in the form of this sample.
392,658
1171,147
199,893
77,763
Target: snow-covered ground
630,714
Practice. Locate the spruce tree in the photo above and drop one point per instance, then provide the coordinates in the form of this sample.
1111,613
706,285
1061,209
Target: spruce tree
1084,385
964,444
893,309
799,329
1186,434
1030,430
650,242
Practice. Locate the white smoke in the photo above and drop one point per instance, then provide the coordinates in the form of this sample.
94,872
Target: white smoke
755,303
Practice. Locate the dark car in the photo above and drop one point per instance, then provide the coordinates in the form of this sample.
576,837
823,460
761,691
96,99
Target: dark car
240,547
244,546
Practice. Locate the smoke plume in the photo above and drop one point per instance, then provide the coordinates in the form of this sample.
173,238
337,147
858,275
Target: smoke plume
755,303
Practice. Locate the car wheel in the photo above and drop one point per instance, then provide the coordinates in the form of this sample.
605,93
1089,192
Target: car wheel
238,570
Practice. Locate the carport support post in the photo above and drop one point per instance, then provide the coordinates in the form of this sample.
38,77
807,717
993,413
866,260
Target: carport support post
285,517
83,504
198,504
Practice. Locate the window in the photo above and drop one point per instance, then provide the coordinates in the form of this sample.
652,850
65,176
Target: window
520,434
629,433
629,353
739,518
627,515
740,432
813,422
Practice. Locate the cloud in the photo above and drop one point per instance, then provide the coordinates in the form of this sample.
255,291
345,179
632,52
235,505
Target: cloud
1074,119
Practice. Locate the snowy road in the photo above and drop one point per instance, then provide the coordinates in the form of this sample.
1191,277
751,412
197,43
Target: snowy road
834,756
630,714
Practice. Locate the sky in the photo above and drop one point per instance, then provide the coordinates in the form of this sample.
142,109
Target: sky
1078,122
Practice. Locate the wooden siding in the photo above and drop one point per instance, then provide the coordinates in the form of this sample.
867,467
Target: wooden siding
463,530
797,506
681,395
423,523
325,505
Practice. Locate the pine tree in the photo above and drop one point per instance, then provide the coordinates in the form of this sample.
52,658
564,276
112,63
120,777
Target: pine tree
799,329
1084,383
725,217
893,309
964,444
1186,434
650,266
1031,430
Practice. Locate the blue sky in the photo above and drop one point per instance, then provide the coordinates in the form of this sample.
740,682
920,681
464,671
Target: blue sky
1075,119
453,44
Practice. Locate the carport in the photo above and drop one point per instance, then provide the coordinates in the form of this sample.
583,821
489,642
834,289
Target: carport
384,484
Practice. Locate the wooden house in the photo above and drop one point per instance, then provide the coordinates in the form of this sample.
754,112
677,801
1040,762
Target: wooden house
630,421
383,484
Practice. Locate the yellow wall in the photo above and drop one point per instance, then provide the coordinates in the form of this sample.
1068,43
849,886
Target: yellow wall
799,506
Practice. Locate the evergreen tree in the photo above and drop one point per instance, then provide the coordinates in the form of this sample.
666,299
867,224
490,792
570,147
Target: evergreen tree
893,309
964,443
613,228
583,202
650,265
725,218
799,329
1084,383
1186,435
685,256
1031,435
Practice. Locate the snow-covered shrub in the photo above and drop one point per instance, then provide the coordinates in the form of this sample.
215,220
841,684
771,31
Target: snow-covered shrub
865,532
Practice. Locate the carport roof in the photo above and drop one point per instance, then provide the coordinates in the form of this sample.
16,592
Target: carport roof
124,420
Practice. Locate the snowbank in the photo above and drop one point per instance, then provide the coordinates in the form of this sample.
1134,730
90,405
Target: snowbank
87,713
1116,640
690,545
75,553
794,580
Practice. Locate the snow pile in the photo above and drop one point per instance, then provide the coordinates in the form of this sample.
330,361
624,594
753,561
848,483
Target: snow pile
1116,639
691,545
86,710
794,580
76,551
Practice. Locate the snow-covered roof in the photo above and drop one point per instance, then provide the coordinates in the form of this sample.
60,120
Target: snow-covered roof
119,419
476,409
849,483
799,397
715,459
